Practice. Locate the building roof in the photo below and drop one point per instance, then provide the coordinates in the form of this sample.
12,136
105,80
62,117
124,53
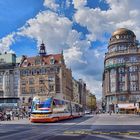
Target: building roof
45,60
121,31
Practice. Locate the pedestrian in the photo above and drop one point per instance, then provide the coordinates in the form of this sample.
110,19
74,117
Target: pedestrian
110,112
13,115
1,116
8,116
5,116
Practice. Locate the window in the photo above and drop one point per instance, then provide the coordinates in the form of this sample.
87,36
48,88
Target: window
133,59
107,63
58,88
113,49
113,80
113,71
1,60
51,78
23,99
38,71
23,82
121,60
43,71
41,80
122,86
47,70
23,72
121,70
122,98
121,47
52,60
23,90
133,77
28,72
42,89
133,86
132,68
25,63
31,81
37,61
1,79
56,69
33,71
32,90
121,77
51,88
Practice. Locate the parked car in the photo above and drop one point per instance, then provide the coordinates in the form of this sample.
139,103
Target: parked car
87,112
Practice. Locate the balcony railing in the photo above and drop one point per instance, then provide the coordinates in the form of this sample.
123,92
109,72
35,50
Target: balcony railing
124,52
121,40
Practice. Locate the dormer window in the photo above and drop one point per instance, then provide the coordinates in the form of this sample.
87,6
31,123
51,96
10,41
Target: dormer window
37,61
52,60
25,63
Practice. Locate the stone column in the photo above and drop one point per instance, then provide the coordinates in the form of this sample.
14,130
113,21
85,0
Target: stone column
107,82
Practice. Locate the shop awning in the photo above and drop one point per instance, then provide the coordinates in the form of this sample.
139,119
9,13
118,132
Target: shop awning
126,106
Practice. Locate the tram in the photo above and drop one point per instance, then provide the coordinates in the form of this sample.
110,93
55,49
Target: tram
52,110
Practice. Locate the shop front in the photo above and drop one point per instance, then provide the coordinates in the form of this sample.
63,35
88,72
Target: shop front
127,108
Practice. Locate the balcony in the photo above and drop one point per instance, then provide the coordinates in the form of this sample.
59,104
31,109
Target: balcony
124,52
121,41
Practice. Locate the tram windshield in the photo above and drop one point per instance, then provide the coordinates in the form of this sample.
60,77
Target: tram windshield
41,106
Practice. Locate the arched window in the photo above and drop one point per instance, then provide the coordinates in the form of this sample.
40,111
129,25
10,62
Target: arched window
132,68
121,70
52,60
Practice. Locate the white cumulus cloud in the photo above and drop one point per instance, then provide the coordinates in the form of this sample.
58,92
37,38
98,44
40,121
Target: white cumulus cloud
50,28
6,42
51,4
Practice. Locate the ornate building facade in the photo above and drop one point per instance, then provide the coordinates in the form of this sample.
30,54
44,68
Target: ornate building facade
44,75
90,101
9,81
82,93
76,95
121,77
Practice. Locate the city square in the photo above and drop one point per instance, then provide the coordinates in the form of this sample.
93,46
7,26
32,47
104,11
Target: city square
69,69
100,127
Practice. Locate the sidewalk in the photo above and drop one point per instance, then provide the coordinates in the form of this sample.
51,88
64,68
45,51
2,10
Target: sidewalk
117,119
16,121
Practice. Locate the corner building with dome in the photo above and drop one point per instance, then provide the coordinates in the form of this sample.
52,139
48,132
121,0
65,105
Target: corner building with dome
121,76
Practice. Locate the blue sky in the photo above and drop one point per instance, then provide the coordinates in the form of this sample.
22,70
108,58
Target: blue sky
15,13
81,28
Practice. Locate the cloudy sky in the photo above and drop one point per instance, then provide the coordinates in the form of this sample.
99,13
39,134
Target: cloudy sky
81,28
